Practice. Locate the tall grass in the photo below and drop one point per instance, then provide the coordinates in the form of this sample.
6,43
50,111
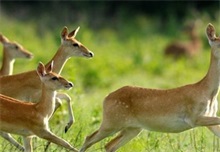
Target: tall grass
124,55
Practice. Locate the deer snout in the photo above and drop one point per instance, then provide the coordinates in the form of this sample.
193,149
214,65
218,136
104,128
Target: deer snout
26,54
91,54
29,56
69,85
88,54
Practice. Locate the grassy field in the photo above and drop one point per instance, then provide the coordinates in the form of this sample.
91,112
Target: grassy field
124,55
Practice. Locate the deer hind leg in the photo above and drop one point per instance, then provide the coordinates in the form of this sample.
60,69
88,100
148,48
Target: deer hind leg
9,138
46,134
125,136
215,130
27,144
97,136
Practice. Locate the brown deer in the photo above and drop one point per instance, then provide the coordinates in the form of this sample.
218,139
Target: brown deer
30,119
130,109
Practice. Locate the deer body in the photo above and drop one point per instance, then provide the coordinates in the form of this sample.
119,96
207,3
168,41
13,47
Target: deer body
11,51
173,110
29,119
17,124
31,84
130,109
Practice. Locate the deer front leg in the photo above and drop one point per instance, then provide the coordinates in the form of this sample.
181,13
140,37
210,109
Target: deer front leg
46,134
66,97
59,97
9,138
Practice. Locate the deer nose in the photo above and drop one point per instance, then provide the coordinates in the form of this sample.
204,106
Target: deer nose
91,54
71,84
30,56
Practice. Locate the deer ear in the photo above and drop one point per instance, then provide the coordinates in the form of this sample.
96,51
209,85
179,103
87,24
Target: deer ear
41,69
3,39
64,33
50,67
210,32
74,32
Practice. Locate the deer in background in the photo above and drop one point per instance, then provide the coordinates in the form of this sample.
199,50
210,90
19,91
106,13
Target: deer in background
11,51
188,49
130,109
29,119
27,86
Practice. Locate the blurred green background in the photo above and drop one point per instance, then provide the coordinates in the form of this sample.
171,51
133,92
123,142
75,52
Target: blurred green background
128,39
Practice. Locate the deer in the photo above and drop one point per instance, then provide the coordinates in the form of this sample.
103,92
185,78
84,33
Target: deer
26,86
131,109
32,119
11,51
191,48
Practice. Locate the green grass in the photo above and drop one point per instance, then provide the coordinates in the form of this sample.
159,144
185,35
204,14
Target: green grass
131,55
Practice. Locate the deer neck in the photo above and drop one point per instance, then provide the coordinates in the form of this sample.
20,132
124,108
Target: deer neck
7,64
60,59
46,104
212,79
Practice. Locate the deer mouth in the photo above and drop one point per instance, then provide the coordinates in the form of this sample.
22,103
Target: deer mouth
30,56
89,55
69,85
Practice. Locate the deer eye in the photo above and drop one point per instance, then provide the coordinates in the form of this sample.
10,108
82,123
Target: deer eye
54,78
76,45
16,47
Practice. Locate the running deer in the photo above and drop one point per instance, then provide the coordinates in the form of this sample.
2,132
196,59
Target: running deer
30,119
188,49
130,109
11,51
27,86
